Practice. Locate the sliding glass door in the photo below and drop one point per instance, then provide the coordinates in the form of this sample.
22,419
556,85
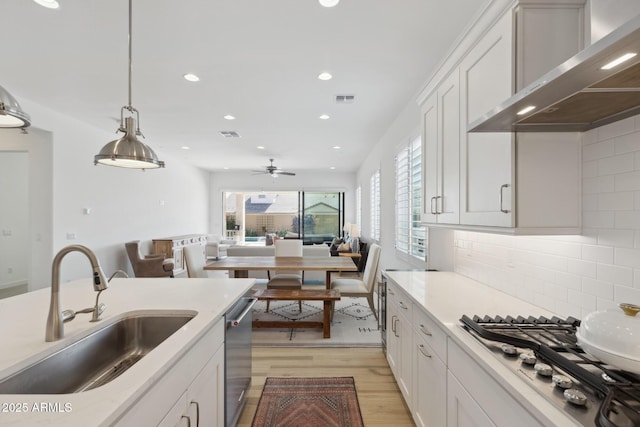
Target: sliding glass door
314,217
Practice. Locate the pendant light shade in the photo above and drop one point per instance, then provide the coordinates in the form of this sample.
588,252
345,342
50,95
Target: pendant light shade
129,151
11,115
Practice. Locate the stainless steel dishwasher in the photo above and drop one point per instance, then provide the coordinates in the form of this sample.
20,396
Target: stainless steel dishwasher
237,345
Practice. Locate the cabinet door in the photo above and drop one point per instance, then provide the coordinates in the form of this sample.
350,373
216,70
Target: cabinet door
487,159
429,382
429,112
392,334
205,396
404,377
449,150
462,410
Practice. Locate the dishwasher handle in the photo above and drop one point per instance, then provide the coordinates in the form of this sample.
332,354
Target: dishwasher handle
250,303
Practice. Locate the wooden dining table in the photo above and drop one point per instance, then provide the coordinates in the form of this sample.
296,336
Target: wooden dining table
241,265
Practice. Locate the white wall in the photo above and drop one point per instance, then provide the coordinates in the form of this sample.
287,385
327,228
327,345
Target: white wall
125,204
574,275
14,218
303,181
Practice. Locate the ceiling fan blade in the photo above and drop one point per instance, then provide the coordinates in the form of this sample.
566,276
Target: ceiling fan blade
286,173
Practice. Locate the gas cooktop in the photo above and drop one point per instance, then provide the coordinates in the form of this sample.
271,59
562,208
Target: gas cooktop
546,354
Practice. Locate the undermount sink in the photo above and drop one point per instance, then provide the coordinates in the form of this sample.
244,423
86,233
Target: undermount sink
98,358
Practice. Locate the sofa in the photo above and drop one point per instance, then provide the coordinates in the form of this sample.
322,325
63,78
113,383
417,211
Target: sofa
216,247
307,250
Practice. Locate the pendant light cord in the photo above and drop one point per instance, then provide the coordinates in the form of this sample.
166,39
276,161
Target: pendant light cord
130,49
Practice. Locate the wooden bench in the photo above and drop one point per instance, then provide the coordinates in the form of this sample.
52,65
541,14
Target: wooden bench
328,296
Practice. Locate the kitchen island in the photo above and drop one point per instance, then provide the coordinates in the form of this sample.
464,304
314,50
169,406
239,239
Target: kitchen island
429,352
121,401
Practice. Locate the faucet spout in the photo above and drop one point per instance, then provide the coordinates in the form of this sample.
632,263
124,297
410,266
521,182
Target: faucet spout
55,324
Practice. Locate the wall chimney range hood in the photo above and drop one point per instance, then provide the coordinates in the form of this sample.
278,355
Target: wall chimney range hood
579,94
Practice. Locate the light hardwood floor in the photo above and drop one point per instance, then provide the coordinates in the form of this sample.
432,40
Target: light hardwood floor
380,399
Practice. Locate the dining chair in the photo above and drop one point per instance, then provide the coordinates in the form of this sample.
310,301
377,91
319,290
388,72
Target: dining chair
361,287
195,259
289,280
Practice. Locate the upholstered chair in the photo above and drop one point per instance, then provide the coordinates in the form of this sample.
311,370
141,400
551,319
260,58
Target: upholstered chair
361,287
148,265
195,259
289,280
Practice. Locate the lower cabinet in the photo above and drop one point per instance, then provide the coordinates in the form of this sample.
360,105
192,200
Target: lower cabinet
190,393
202,403
399,341
462,409
429,401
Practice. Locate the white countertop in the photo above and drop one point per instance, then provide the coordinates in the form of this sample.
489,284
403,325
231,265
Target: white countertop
447,296
22,332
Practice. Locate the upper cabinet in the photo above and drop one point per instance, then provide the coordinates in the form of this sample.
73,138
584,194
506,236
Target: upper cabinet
506,182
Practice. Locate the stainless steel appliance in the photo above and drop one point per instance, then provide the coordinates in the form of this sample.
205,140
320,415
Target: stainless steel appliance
237,358
546,354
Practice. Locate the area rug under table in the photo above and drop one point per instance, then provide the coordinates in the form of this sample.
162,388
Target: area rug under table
289,402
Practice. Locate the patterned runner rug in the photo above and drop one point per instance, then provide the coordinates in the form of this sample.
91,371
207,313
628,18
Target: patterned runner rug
289,402
353,325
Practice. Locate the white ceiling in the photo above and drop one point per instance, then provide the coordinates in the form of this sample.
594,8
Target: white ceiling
258,60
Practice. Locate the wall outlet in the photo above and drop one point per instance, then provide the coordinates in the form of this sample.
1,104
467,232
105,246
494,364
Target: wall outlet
7,232
71,236
10,270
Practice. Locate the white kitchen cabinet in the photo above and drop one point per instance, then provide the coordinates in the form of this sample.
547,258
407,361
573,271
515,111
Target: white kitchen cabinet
497,186
193,389
441,148
429,401
399,341
475,398
202,404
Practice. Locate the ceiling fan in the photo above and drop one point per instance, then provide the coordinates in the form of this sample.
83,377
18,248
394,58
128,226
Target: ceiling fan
273,170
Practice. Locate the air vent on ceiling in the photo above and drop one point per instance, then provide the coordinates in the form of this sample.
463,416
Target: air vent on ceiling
345,99
229,134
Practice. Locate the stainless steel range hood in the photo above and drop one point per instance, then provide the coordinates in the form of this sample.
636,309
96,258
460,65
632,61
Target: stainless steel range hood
578,95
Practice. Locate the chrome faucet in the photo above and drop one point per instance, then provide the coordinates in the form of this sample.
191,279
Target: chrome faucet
56,318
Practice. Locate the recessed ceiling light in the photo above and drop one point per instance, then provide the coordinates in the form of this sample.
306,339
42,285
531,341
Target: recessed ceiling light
229,117
260,147
329,3
336,147
325,76
191,77
525,110
618,61
324,117
226,168
51,4
332,167
184,147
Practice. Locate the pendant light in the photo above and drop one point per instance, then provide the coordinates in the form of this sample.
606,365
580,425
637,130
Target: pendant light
129,151
11,115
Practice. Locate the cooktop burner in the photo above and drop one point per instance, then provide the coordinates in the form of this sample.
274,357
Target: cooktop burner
546,354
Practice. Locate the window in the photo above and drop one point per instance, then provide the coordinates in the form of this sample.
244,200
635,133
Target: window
410,234
375,205
359,205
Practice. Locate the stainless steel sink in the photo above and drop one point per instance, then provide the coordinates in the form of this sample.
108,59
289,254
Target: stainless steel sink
97,358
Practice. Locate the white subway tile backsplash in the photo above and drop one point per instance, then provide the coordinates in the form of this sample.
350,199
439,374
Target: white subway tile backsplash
590,202
597,288
627,219
582,300
603,254
598,151
616,238
582,268
626,294
627,143
600,184
590,169
615,274
629,181
590,137
616,164
568,280
636,278
620,201
598,219
619,128
627,257
606,304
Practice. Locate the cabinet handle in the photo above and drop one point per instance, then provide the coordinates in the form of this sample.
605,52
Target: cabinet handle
193,402
502,187
434,212
402,306
423,351
425,331
188,420
390,292
393,324
396,329
438,212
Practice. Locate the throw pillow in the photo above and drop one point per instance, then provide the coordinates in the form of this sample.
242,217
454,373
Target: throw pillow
344,247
